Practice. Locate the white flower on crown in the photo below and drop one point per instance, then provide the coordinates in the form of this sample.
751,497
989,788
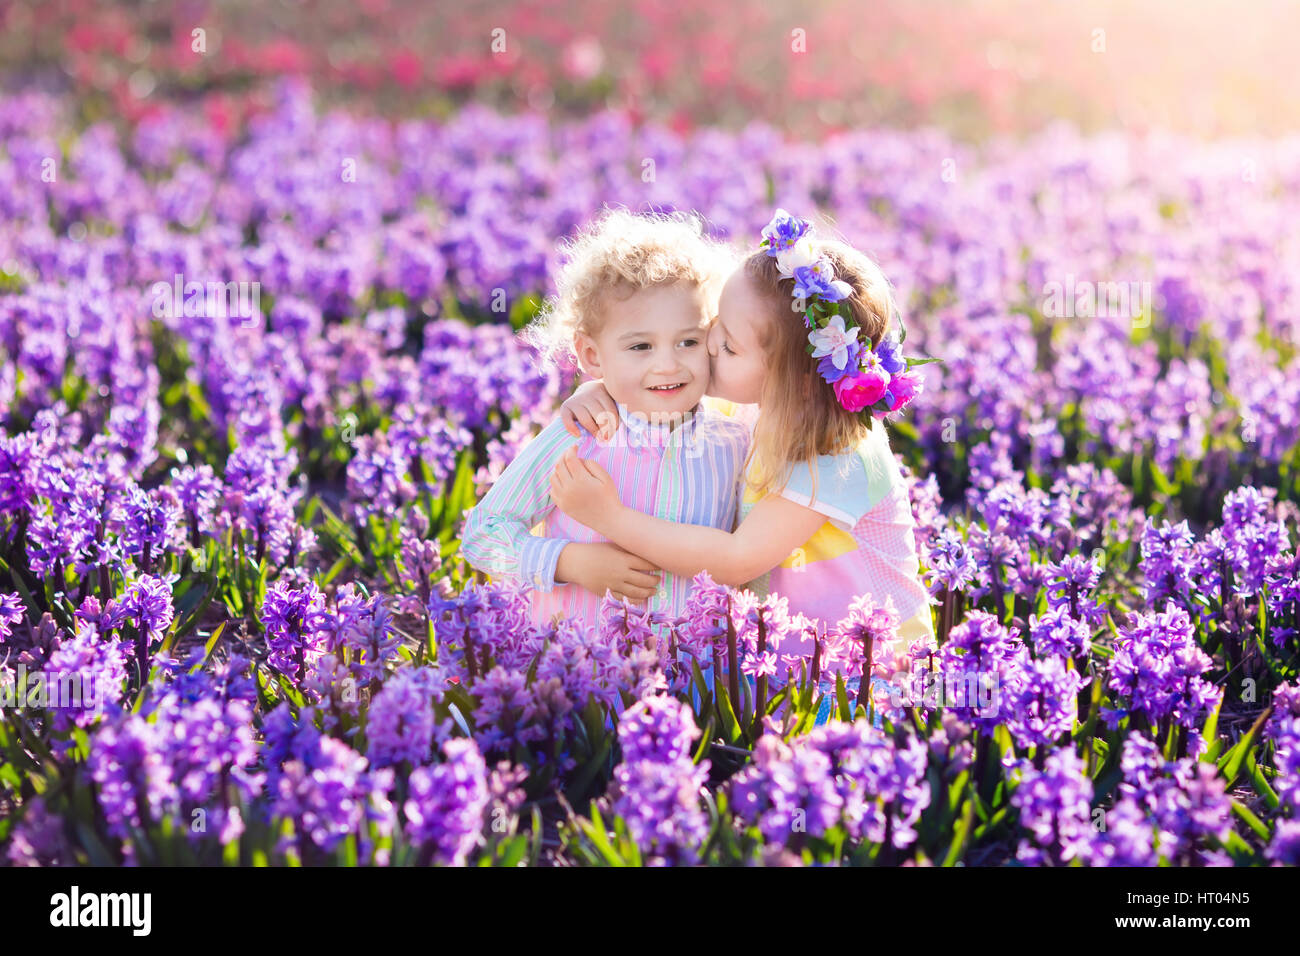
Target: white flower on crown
796,257
833,340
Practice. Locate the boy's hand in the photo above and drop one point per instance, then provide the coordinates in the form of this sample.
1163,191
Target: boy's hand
584,491
604,566
592,408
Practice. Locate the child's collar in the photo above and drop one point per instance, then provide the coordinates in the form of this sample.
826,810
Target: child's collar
647,430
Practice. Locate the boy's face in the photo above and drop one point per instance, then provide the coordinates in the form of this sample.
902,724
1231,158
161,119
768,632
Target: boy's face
650,350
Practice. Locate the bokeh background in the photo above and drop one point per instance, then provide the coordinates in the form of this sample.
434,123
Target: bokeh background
1209,67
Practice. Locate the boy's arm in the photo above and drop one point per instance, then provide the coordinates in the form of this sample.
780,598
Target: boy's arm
497,536
766,537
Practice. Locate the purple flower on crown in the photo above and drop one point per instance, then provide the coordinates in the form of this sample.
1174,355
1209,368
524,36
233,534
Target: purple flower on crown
889,353
783,231
818,281
829,373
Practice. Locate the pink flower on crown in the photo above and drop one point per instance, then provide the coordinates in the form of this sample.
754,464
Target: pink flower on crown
904,387
859,391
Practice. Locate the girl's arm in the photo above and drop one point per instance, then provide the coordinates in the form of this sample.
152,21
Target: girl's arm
585,492
592,408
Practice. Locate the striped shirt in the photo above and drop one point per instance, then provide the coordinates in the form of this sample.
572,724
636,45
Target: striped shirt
689,474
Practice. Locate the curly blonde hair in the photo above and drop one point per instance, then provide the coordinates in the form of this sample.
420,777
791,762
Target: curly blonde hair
616,255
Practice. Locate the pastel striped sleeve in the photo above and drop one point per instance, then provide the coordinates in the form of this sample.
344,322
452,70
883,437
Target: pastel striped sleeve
497,539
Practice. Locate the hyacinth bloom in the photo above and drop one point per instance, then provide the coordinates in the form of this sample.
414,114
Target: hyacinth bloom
364,626
786,792
1056,633
147,606
1169,564
883,785
949,564
1283,729
1184,801
448,802
134,787
37,839
1156,674
1071,581
983,665
1054,805
11,612
98,666
863,641
400,724
294,619
330,795
657,787
1044,702
657,728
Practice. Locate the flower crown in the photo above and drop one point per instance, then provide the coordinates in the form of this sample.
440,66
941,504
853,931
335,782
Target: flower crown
880,380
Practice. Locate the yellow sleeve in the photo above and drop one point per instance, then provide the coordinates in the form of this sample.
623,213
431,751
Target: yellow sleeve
721,406
747,415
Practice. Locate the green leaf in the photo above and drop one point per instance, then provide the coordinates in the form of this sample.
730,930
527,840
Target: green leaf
1231,764
730,725
599,835
1162,482
95,850
1255,823
211,643
960,832
842,697
1211,731
1260,782
583,777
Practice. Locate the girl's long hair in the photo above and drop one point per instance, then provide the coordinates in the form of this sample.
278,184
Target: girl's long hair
801,417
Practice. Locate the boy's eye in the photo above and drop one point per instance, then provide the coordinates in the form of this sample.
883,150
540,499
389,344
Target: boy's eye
641,345
690,342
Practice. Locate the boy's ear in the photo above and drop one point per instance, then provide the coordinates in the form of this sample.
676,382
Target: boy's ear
588,355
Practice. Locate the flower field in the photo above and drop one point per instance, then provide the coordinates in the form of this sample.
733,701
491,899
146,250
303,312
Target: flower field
252,377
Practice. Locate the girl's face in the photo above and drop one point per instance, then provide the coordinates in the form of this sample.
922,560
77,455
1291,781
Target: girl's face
737,358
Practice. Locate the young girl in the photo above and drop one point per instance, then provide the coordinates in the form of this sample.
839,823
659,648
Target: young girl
825,515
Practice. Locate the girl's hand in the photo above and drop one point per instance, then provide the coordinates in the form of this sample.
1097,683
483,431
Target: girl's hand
591,407
603,566
584,491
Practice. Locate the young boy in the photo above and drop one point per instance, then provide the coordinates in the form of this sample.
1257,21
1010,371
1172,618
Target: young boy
633,305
